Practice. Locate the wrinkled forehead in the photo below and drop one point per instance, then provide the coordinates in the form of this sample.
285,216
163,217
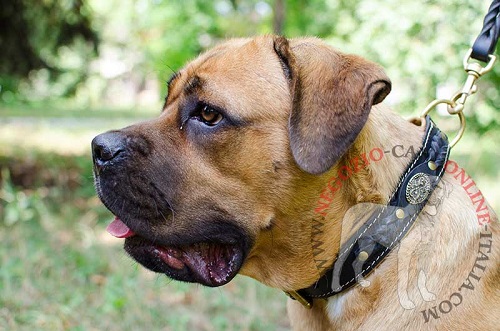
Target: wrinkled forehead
241,75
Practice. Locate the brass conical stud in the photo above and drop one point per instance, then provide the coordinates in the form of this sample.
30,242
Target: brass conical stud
363,256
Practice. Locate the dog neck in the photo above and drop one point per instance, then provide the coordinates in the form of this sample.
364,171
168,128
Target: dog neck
367,173
370,176
311,221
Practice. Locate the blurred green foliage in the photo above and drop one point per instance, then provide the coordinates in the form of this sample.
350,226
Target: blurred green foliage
16,205
421,44
33,185
50,38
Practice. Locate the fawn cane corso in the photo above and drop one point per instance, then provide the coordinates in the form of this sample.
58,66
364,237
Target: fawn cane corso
227,180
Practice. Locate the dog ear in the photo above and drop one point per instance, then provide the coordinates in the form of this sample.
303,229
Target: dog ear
332,97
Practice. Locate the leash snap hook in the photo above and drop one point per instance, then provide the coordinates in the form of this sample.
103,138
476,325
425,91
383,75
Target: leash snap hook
478,68
474,72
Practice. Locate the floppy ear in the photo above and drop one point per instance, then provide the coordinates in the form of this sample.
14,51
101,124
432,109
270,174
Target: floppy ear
332,97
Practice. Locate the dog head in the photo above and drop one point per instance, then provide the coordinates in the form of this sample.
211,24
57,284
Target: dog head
217,182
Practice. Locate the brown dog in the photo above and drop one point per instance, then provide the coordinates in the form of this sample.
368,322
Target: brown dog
228,178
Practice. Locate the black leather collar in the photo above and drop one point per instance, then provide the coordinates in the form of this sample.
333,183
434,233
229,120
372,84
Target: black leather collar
387,225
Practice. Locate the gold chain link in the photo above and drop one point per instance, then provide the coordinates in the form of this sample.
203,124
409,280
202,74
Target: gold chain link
456,104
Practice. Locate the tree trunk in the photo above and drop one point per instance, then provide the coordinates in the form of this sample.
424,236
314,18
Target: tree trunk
279,16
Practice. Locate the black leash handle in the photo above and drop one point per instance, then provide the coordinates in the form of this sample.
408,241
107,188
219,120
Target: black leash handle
488,37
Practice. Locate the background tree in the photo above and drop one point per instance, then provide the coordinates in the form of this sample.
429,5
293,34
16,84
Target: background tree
36,35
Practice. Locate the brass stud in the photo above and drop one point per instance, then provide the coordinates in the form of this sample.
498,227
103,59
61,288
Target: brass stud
432,165
363,256
400,213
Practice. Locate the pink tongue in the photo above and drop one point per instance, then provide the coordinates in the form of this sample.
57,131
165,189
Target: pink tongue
118,229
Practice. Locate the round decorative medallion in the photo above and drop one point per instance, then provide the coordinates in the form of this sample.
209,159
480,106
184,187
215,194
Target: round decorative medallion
418,188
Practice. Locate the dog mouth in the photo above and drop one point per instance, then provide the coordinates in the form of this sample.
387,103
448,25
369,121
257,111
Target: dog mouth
211,262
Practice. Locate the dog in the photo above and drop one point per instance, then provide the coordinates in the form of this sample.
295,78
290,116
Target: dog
226,180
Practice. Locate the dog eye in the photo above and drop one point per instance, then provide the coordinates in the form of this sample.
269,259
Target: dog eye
209,116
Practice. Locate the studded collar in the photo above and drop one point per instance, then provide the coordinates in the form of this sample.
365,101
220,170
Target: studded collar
387,224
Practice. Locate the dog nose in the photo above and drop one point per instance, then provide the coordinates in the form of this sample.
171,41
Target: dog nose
106,147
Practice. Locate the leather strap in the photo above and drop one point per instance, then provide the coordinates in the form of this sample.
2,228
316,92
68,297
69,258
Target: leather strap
387,224
488,37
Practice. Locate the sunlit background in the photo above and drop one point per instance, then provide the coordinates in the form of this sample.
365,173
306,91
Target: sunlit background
71,69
